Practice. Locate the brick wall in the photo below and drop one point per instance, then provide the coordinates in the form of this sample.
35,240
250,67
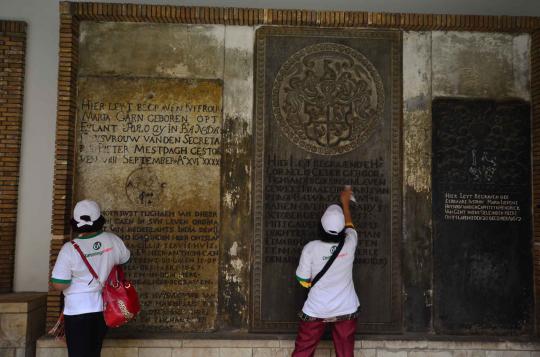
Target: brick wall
12,56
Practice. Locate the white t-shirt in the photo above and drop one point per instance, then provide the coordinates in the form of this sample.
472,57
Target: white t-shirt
103,251
333,295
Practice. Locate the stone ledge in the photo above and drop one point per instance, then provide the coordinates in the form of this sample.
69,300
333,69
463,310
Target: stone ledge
364,344
21,302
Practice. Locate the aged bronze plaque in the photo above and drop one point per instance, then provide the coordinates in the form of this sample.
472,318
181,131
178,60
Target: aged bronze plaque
328,114
482,217
148,150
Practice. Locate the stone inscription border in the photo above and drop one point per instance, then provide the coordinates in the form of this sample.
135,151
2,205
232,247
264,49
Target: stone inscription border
71,14
379,215
12,63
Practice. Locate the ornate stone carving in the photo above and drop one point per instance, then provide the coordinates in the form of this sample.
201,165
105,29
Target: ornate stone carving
328,98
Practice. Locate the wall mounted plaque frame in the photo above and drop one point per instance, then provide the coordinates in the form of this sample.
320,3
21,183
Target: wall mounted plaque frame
328,113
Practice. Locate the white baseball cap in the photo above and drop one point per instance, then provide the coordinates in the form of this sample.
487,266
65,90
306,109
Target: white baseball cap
86,208
333,220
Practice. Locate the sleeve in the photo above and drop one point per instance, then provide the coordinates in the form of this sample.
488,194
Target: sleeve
123,253
351,234
303,272
61,273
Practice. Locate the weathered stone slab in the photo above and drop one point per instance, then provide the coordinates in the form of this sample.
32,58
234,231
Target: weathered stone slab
430,354
7,352
365,353
195,352
143,49
482,217
270,352
21,302
328,114
231,343
119,352
52,352
235,352
236,227
487,65
417,267
149,152
508,354
155,352
389,353
469,353
13,329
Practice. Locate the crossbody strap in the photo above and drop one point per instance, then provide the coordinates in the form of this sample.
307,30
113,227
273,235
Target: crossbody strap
328,263
86,262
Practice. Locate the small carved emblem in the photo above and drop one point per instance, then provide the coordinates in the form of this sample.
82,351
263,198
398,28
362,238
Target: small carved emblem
328,98
143,187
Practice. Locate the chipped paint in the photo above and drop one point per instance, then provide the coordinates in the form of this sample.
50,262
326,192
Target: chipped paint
417,150
143,49
473,64
417,77
521,66
417,110
237,264
236,177
233,252
416,70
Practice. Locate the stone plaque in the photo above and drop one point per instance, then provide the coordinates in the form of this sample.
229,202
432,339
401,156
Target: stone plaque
482,217
328,114
148,150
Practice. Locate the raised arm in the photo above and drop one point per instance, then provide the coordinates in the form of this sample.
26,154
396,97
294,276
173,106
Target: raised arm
345,198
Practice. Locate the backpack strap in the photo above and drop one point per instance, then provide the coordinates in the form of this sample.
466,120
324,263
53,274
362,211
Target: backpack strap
86,262
328,263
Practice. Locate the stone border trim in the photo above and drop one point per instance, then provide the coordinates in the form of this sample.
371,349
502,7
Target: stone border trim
12,62
535,104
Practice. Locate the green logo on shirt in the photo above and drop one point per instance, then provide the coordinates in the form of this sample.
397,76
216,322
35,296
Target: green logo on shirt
97,245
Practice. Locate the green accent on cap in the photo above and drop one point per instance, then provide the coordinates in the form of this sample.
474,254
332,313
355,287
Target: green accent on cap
91,235
60,281
302,279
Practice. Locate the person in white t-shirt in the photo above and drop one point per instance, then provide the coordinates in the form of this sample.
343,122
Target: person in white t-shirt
332,300
85,327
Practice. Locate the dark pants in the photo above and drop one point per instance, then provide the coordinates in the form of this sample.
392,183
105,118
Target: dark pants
310,333
85,334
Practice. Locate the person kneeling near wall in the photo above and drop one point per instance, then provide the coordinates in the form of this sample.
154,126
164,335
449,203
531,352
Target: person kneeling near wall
332,299
83,305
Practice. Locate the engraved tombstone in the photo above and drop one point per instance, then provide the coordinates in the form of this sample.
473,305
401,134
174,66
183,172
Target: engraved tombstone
328,109
148,150
482,216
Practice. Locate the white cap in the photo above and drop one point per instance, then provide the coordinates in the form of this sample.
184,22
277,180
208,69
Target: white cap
86,208
333,220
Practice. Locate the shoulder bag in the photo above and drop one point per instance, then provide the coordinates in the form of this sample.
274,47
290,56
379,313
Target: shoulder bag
120,300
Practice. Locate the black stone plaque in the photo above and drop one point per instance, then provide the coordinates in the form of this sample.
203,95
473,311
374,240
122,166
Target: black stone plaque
482,217
328,114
